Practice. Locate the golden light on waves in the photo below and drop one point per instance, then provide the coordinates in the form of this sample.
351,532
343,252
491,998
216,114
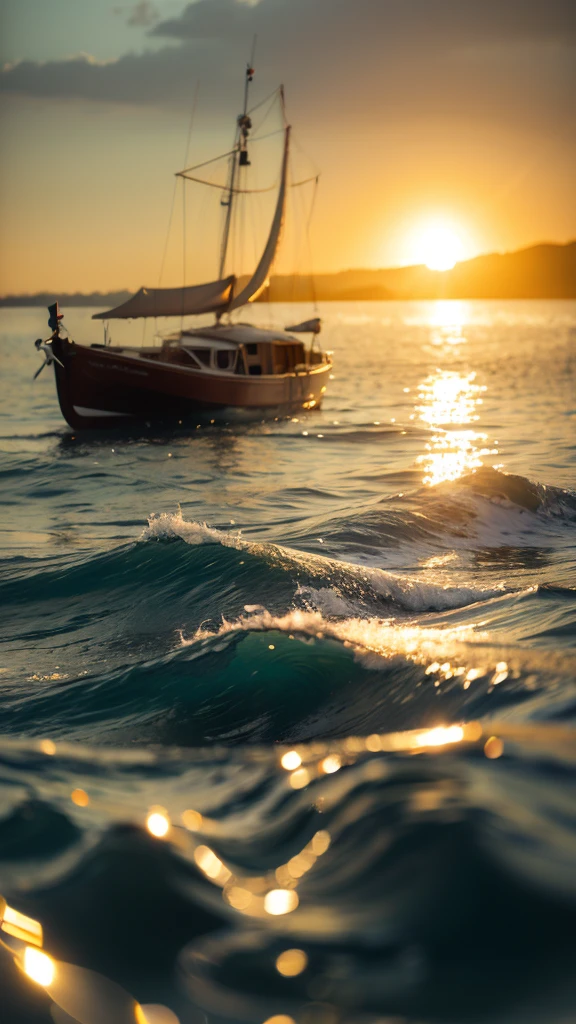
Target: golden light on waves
449,397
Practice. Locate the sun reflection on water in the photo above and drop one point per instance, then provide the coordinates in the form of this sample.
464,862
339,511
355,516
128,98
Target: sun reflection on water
447,321
449,397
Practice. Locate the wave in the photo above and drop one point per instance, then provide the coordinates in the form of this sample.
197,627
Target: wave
172,526
403,839
187,635
486,510
519,491
318,670
406,592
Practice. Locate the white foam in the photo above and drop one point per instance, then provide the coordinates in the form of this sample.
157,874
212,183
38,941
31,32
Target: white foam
408,592
386,638
415,595
171,526
327,601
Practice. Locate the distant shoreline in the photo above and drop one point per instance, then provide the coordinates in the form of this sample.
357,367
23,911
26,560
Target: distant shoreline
546,271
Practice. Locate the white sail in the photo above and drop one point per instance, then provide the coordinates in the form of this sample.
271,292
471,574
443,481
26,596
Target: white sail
259,278
212,297
215,296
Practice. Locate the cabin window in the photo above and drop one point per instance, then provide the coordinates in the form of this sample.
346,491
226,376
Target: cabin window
225,359
255,371
252,350
202,355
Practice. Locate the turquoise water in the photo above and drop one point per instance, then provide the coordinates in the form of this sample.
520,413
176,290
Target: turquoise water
383,589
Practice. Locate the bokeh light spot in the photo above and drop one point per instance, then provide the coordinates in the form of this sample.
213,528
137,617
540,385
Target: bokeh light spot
320,842
39,966
300,778
80,798
238,897
280,901
291,962
157,823
494,747
211,865
192,820
291,760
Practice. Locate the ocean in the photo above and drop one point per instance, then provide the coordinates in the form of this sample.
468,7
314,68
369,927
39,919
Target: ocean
287,706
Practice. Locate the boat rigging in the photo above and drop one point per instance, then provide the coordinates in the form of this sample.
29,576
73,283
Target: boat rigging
197,370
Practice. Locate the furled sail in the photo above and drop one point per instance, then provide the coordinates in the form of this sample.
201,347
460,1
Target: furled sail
259,278
213,297
313,326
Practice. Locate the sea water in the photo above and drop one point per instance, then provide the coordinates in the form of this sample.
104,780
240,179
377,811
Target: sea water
287,705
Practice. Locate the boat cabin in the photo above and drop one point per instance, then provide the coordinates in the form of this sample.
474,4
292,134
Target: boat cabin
232,349
238,348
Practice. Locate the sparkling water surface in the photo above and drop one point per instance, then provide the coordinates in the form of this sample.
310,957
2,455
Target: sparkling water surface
287,705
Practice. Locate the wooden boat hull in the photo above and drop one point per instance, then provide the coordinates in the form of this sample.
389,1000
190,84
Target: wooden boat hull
99,388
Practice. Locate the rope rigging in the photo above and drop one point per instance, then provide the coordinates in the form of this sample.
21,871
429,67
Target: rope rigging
246,191
242,218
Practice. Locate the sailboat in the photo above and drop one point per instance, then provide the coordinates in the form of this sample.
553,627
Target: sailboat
195,371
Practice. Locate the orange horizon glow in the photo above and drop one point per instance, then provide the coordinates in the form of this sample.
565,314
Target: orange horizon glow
431,143
106,230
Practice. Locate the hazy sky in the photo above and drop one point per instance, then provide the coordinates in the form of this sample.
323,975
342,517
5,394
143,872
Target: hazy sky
455,110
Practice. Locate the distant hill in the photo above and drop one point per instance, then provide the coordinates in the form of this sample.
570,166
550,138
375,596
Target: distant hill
93,299
540,272
544,271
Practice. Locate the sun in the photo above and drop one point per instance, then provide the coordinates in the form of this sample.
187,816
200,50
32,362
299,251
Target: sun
438,245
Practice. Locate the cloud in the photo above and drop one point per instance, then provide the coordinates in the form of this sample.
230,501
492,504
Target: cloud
349,62
143,14
159,78
221,19
353,20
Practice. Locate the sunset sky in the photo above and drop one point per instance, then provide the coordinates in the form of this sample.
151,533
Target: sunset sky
417,112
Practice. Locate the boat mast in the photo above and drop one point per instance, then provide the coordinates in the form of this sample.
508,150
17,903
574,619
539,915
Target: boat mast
239,159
